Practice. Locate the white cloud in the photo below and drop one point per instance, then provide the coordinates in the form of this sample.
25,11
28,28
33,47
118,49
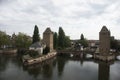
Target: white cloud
75,16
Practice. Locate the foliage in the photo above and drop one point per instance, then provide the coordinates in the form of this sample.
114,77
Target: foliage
46,50
55,40
82,37
36,37
4,39
67,41
33,53
83,41
63,40
22,41
114,44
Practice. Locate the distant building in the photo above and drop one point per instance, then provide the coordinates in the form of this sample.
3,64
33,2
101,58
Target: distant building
48,38
37,47
93,43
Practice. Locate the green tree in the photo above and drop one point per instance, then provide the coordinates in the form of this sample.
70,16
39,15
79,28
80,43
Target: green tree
83,41
114,44
22,41
61,38
36,37
82,37
4,39
67,41
55,40
13,40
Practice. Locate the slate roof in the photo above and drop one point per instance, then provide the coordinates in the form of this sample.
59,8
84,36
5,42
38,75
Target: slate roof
104,29
36,45
48,30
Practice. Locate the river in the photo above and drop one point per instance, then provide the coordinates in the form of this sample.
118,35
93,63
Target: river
59,68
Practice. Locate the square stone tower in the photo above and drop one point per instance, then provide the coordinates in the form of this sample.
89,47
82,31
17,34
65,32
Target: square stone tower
48,38
104,37
104,46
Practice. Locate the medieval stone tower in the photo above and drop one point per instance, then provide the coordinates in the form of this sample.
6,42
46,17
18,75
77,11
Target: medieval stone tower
48,38
104,46
104,37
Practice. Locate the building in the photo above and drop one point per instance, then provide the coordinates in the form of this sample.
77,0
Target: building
93,43
104,37
48,38
104,45
37,47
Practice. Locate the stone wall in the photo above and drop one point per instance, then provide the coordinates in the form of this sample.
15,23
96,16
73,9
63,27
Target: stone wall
48,38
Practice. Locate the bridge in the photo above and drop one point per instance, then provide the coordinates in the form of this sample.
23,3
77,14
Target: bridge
82,54
74,52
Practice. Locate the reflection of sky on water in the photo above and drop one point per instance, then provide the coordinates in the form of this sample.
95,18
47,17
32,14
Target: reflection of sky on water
14,73
115,71
75,71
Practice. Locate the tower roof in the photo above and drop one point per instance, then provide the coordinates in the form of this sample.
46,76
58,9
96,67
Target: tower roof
104,29
48,30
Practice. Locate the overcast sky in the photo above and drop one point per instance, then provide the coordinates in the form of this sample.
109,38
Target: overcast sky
74,16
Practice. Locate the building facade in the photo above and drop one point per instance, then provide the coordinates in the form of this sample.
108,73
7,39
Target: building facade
104,46
104,37
48,38
37,47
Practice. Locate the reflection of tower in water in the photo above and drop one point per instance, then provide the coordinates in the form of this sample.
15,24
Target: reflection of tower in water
103,71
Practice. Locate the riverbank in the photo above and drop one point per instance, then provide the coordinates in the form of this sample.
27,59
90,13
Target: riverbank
8,51
29,60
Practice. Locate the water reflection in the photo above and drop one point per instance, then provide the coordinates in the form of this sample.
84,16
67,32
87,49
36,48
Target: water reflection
59,68
45,69
60,64
104,70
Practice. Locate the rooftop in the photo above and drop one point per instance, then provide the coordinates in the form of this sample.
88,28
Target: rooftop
104,29
48,30
37,44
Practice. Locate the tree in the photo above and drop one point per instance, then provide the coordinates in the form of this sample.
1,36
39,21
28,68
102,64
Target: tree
22,41
55,40
67,41
83,41
4,39
61,38
36,37
82,37
114,44
13,40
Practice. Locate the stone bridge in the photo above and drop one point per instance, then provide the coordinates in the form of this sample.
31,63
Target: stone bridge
74,52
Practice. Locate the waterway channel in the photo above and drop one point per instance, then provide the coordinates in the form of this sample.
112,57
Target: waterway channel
59,68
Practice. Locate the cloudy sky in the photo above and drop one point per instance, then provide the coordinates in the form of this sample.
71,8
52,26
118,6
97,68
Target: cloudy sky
74,16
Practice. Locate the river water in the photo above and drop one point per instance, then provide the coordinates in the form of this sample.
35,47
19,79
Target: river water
59,68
